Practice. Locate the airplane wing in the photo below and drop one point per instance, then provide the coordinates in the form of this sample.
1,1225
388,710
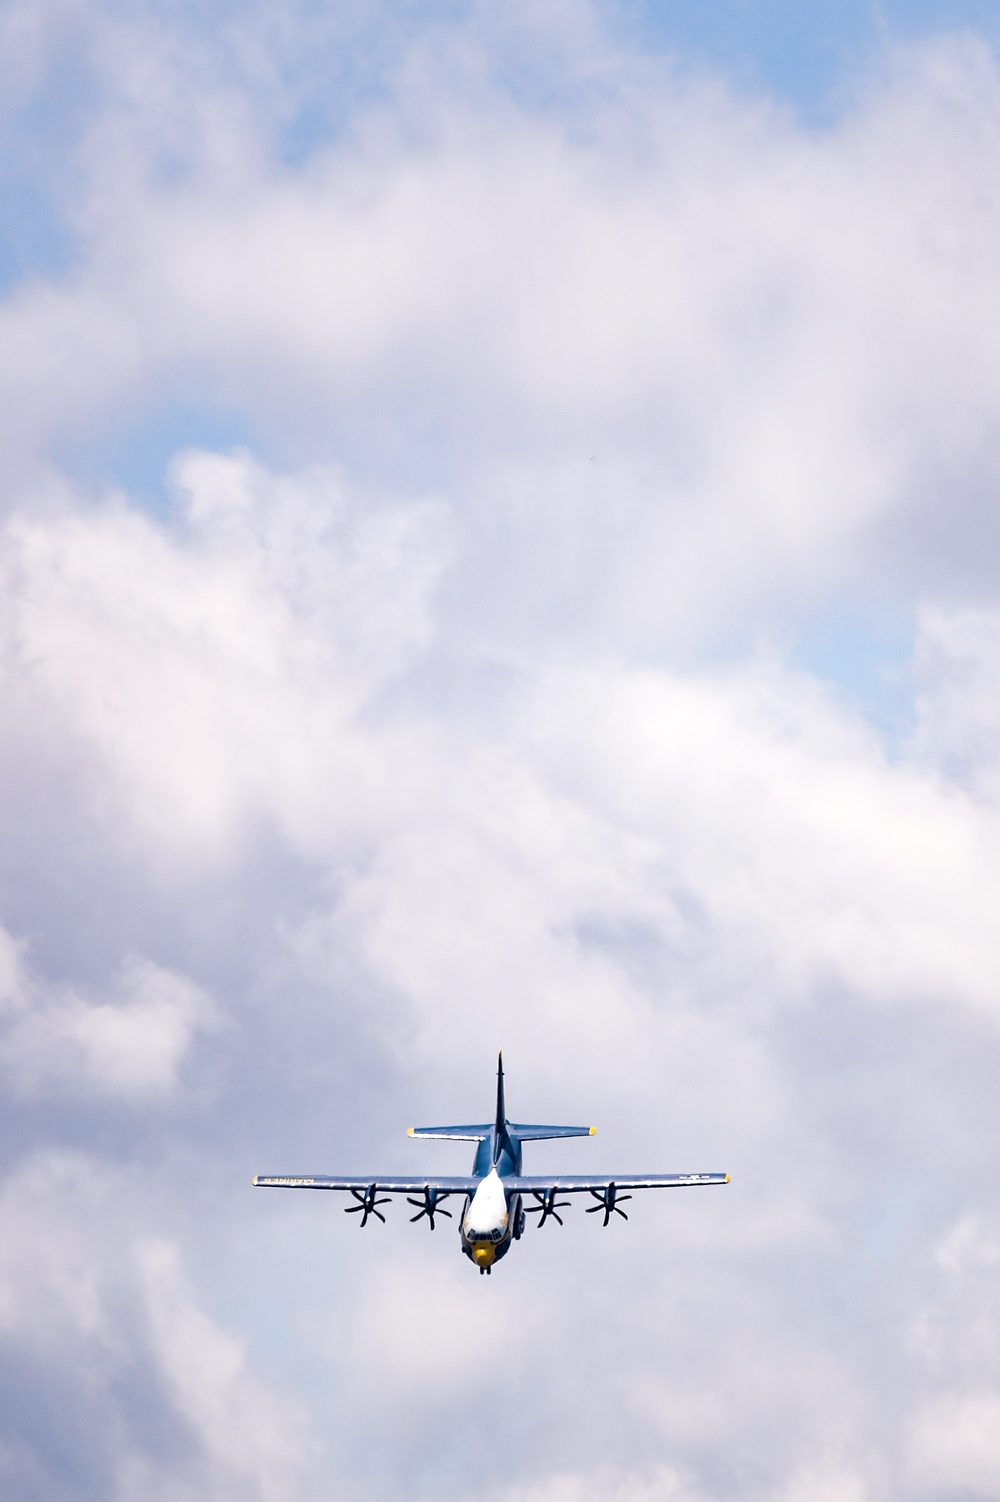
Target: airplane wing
606,1192
526,1184
441,1186
575,1183
425,1194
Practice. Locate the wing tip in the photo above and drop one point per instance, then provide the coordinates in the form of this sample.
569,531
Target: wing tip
410,1131
255,1180
593,1131
727,1178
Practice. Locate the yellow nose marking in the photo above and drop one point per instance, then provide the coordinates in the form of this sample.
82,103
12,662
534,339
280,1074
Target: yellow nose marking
484,1253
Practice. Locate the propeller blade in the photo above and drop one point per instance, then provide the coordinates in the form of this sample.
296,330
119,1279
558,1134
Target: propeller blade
609,1201
548,1205
428,1206
368,1202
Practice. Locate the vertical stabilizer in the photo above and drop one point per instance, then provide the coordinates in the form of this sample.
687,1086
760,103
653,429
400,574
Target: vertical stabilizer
501,1137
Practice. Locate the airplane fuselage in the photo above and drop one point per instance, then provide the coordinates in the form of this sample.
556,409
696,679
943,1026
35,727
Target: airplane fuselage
493,1216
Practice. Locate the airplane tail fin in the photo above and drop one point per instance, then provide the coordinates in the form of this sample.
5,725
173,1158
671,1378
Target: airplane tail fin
501,1128
477,1132
501,1140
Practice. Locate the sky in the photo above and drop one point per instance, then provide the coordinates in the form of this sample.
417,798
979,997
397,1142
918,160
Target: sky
499,547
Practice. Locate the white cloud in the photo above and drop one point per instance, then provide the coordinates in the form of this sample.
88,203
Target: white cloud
129,1047
252,1444
826,1485
678,361
621,866
404,747
958,661
660,1485
121,1381
954,1330
956,1444
211,664
969,1242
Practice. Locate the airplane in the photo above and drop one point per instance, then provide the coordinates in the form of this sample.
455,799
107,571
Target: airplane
493,1215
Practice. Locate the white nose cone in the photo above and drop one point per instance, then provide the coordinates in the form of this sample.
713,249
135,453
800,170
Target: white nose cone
488,1211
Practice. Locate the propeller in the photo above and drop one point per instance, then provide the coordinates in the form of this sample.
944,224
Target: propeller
608,1200
368,1202
548,1204
428,1205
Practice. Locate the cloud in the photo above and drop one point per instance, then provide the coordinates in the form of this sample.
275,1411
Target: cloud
958,662
182,655
662,1485
955,1444
643,874
114,1382
828,1486
455,709
679,364
128,1048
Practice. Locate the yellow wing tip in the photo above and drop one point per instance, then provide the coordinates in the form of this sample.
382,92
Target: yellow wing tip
727,1178
592,1131
254,1179
410,1131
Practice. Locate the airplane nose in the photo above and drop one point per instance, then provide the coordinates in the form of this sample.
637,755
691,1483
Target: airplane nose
484,1253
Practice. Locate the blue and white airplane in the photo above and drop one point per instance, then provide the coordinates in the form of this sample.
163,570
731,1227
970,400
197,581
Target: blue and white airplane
493,1213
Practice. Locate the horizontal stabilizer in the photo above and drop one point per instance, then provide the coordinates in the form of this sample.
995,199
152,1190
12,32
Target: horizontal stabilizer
455,1133
517,1129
